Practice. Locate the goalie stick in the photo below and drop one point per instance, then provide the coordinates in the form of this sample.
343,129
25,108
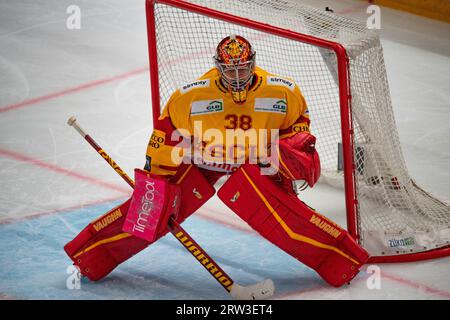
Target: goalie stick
260,290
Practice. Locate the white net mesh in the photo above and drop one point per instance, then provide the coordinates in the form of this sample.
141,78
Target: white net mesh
394,215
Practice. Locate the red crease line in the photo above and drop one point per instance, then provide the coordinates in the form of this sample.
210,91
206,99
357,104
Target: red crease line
71,90
203,213
57,211
416,285
52,167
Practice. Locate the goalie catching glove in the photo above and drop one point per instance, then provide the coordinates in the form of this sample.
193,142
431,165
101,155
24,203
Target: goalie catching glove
298,158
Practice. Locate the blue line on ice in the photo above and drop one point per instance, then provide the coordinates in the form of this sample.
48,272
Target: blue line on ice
33,263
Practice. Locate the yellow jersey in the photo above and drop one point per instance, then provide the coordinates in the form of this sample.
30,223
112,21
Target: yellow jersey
204,112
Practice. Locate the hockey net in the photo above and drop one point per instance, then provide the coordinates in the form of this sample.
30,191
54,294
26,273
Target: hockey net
338,64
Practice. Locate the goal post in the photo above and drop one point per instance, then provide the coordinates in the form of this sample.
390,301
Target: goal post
339,66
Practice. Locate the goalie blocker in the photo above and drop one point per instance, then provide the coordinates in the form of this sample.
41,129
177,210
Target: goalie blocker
103,245
288,223
154,201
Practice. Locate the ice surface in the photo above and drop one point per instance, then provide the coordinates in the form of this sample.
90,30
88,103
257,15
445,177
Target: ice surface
53,183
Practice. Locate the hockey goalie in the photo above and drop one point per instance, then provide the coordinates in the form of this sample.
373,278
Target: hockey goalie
240,121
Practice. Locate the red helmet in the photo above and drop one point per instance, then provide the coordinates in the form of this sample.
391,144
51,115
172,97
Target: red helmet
235,60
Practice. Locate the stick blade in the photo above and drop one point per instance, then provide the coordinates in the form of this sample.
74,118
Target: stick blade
259,291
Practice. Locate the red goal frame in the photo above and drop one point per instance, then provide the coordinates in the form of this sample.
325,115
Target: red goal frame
347,133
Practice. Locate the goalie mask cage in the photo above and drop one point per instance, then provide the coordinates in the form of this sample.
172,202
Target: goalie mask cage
338,64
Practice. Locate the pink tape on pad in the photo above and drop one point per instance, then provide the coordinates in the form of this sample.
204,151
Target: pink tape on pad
147,205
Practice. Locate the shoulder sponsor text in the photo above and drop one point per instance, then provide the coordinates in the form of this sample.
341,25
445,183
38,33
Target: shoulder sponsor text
277,81
196,84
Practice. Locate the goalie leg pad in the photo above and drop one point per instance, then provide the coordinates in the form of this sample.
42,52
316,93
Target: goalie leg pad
102,245
288,223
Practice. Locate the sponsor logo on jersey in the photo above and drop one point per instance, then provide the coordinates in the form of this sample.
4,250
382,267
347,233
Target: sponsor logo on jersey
107,220
300,127
196,84
277,81
206,106
401,242
322,224
270,105
157,139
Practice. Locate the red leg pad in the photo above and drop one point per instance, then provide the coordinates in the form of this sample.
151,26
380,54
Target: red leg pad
195,190
288,223
102,245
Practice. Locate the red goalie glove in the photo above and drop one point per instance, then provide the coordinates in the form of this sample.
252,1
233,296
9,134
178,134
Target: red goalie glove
299,159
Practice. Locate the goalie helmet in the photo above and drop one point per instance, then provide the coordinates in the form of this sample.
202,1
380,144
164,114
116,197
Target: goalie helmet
235,60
